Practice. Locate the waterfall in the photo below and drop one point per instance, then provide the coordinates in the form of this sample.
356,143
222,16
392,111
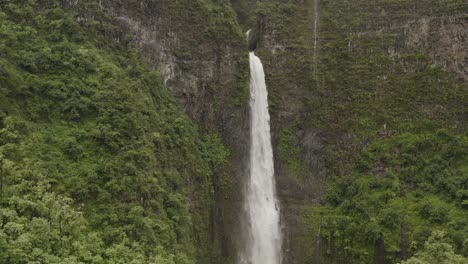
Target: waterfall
263,239
316,21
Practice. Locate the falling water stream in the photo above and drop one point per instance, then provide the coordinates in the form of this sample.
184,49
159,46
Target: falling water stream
263,243
316,21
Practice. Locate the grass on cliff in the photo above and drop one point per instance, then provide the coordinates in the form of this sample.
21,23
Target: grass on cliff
391,120
97,162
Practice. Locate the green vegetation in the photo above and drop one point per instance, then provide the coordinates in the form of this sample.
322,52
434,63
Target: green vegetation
436,251
99,165
411,176
245,10
199,19
401,189
288,148
97,162
391,120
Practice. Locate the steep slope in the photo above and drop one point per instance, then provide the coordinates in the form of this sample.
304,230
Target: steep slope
367,103
200,52
98,163
245,11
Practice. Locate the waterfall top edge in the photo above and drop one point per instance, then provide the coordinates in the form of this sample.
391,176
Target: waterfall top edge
251,39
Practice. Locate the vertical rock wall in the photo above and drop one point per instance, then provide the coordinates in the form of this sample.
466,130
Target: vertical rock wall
316,117
200,52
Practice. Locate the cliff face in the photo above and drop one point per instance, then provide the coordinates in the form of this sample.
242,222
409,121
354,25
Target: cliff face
344,75
200,52
99,164
196,46
107,139
443,37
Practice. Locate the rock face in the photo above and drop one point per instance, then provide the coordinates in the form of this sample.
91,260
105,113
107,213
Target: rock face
333,70
444,38
196,64
317,106
208,75
201,54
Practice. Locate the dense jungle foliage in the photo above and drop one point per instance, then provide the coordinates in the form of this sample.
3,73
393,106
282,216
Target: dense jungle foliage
394,122
99,165
97,162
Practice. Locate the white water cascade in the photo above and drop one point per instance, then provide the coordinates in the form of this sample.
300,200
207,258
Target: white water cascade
263,243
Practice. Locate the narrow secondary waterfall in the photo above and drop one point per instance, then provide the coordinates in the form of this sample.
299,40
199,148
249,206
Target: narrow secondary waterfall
263,245
316,21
